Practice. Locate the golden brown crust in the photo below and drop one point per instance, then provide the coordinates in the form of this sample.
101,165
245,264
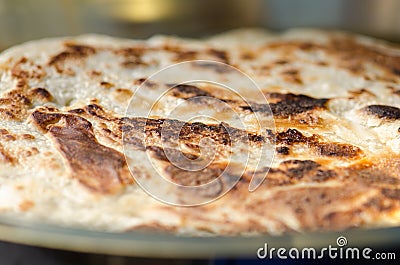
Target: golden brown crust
41,94
314,142
299,108
6,156
348,53
338,201
335,101
354,55
96,166
72,51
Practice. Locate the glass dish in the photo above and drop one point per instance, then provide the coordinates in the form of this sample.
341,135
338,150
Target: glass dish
140,244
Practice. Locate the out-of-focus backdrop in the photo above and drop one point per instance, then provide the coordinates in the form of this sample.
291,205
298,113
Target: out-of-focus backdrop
22,20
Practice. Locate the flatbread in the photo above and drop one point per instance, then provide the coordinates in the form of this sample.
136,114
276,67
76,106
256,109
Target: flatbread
335,98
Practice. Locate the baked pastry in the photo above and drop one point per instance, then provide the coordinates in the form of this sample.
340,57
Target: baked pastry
335,100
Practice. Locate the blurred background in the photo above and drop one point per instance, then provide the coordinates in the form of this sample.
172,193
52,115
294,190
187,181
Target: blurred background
22,20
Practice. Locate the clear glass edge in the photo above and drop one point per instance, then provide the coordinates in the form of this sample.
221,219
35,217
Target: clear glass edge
140,244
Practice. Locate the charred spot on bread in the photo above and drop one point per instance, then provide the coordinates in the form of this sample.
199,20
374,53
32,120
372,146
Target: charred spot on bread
383,112
338,150
188,91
